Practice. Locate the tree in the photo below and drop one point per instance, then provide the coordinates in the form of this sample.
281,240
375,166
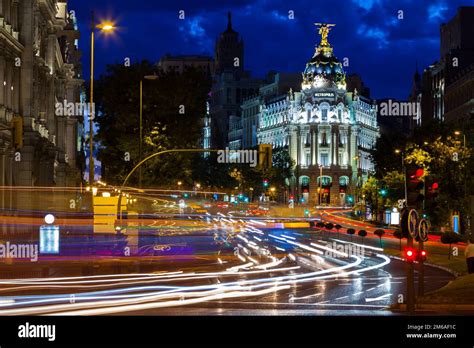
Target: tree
351,232
399,235
444,158
370,190
173,107
329,226
394,184
379,233
362,234
450,238
384,147
320,224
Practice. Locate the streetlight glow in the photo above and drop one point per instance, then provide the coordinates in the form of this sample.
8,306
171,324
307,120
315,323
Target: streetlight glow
106,27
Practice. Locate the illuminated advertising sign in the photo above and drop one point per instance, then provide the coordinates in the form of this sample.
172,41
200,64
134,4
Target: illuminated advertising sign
324,95
456,223
49,240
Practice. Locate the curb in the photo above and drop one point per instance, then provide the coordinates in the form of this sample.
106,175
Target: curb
454,273
435,307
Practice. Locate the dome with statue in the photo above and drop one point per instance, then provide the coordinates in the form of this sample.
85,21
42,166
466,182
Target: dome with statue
324,70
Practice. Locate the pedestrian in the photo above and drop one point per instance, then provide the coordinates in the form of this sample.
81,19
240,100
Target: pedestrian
469,253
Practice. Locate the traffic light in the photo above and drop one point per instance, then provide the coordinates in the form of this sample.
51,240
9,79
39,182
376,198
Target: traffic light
383,192
422,255
265,156
433,188
266,183
410,255
17,125
415,185
432,191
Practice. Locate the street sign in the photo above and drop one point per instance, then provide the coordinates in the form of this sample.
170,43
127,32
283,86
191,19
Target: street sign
412,223
423,230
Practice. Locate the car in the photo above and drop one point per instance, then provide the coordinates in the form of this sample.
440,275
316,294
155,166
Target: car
223,205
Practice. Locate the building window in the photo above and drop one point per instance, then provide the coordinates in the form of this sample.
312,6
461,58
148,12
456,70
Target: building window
324,115
324,160
324,139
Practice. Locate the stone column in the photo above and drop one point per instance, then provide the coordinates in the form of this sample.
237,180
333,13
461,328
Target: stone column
316,145
312,145
303,146
332,146
16,90
8,87
14,15
354,152
2,79
336,136
6,11
293,144
71,136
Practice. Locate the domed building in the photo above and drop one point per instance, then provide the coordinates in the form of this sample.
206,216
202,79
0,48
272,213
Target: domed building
327,130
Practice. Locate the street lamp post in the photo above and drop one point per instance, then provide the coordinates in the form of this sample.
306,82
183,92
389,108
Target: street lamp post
140,145
106,27
399,152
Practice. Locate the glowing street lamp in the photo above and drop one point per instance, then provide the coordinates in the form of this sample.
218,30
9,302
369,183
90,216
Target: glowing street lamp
106,27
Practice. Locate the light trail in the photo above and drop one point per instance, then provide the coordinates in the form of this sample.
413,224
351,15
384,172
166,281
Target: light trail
132,295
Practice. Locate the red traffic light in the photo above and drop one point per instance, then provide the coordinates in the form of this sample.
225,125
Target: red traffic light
423,255
410,254
419,172
435,186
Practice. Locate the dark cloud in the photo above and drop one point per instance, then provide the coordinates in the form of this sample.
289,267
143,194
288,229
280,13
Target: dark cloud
380,47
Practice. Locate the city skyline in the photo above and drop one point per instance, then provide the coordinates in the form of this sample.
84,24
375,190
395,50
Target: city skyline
380,47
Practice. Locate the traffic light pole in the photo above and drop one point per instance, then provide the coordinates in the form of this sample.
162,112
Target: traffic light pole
410,281
421,270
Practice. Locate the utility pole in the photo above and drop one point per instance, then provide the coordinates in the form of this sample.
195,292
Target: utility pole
409,221
421,269
410,280
91,108
141,135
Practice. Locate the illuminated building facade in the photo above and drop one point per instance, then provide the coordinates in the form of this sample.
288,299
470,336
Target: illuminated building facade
39,67
327,130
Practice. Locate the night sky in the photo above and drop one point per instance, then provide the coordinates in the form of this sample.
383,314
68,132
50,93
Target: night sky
381,48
